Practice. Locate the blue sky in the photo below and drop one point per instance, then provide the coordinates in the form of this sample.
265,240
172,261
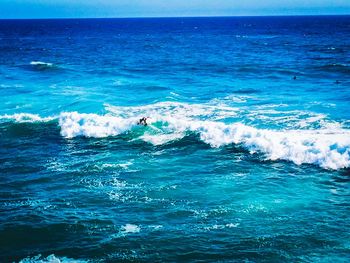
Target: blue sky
156,8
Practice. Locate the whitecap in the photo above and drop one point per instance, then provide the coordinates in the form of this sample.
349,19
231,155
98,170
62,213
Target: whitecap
221,226
130,228
326,144
40,63
92,125
328,147
25,117
156,227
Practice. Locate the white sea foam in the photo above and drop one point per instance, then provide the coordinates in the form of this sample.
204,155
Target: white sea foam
176,110
40,63
156,227
92,125
325,148
328,148
159,139
50,259
124,165
25,117
326,145
130,228
218,227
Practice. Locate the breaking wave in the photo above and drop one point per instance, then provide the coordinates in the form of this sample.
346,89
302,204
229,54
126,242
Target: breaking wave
326,147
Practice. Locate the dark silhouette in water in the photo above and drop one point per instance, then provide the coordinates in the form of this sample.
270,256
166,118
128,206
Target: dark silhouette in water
295,77
142,121
337,82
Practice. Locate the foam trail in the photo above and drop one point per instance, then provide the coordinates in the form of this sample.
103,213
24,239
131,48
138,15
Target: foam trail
25,117
50,259
176,110
40,63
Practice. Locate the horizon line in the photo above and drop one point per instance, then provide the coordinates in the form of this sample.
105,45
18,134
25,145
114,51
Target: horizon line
150,17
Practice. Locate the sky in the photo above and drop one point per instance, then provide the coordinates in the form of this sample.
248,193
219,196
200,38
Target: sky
167,8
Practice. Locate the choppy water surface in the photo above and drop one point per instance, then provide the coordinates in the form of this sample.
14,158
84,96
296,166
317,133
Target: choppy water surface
246,156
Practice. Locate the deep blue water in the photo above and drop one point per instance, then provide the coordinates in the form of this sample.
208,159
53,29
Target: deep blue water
245,158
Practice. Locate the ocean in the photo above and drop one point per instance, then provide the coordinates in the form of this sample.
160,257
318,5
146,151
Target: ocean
245,158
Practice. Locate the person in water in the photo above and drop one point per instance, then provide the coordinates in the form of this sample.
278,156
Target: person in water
142,121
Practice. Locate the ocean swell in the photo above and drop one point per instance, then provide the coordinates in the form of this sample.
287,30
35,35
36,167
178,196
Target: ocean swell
328,148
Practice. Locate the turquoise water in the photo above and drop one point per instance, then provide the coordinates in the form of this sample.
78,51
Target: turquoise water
245,157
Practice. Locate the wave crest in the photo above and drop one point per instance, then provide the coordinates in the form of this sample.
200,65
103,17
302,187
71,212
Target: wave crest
40,63
25,117
92,125
327,147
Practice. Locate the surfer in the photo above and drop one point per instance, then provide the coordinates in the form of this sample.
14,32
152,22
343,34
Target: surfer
142,121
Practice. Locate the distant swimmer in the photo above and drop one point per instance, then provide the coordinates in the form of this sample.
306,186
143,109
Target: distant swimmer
295,77
337,82
142,121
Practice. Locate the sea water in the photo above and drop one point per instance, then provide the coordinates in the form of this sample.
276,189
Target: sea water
245,157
